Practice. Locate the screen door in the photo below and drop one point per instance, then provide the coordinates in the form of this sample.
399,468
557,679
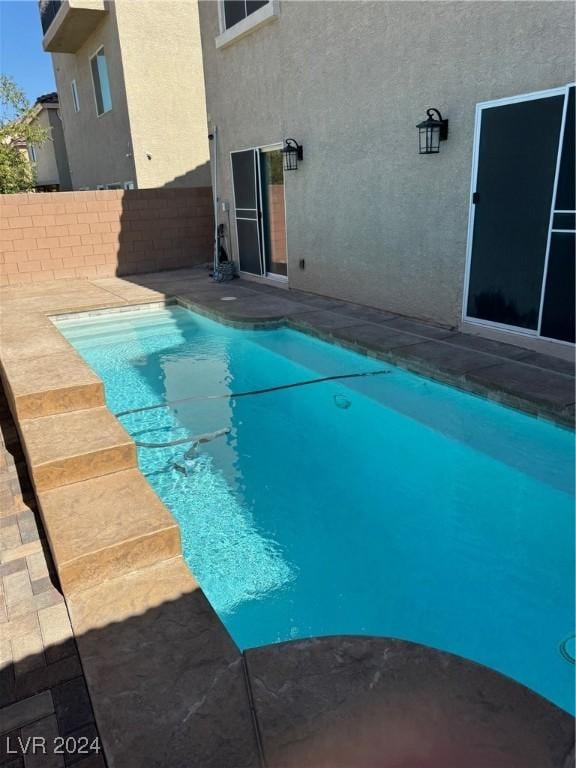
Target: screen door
245,176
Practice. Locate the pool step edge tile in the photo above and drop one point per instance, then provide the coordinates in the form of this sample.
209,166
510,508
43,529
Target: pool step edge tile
78,445
104,527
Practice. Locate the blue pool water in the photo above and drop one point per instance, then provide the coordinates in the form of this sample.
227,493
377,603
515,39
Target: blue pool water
382,505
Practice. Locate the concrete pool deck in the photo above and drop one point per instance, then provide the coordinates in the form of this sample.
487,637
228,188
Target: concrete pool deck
166,680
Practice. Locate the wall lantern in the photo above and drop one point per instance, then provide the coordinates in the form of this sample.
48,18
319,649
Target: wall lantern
292,153
432,131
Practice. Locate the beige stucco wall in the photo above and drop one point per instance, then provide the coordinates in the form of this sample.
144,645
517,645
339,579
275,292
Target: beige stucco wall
46,167
158,106
376,222
59,149
99,148
162,60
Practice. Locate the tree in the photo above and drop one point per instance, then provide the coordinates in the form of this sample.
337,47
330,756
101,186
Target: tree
18,129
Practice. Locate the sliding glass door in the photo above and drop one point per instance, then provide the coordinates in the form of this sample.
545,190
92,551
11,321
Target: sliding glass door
245,178
258,181
274,215
521,248
558,319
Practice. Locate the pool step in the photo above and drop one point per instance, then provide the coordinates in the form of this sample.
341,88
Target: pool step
92,332
105,527
68,447
58,383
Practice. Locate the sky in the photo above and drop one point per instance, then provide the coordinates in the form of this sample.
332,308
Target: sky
21,54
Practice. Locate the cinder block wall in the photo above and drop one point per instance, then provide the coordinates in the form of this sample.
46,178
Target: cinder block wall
103,233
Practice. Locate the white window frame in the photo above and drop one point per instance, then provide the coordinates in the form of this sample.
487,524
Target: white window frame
248,24
492,324
129,185
75,97
105,112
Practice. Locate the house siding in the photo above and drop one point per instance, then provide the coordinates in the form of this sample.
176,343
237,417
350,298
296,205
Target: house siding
155,134
376,222
99,148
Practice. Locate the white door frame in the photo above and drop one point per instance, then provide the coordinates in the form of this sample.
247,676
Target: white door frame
480,107
271,275
261,240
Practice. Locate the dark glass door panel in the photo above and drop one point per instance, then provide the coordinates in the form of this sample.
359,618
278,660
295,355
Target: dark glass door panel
244,172
558,311
247,210
516,168
564,221
249,246
566,191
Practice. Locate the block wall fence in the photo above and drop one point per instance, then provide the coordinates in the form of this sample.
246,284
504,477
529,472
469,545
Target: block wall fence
56,235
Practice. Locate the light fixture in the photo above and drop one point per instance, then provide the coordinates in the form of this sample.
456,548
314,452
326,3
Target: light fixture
292,152
431,132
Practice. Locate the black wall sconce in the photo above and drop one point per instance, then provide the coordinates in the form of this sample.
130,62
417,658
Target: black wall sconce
431,132
292,153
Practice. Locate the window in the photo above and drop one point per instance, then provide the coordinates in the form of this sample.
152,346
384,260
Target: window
239,18
129,185
32,153
236,10
75,99
101,83
115,185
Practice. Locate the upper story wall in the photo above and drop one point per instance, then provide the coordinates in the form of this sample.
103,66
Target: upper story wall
155,134
99,147
59,150
46,167
376,222
164,80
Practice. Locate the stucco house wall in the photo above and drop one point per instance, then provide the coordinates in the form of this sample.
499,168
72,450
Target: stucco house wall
59,150
99,148
155,134
46,167
376,222
165,91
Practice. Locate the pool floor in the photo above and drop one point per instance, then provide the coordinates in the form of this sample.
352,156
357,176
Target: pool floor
384,504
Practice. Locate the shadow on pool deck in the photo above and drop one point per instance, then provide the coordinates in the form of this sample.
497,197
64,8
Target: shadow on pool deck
170,689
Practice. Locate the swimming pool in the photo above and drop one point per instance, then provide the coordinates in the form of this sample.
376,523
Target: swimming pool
381,504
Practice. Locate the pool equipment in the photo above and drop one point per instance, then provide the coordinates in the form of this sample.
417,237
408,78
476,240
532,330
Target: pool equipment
186,464
233,396
342,402
196,440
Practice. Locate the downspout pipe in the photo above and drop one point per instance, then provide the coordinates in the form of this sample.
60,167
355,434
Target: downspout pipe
213,138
